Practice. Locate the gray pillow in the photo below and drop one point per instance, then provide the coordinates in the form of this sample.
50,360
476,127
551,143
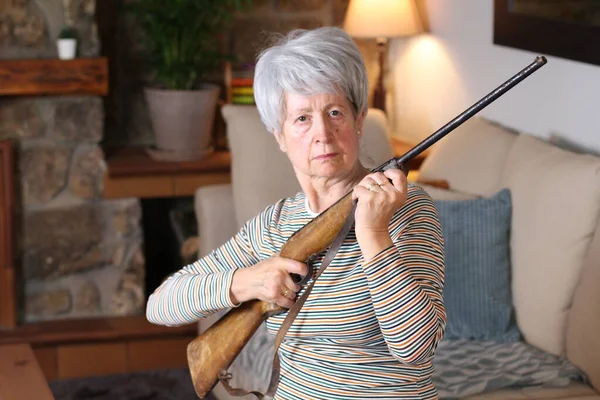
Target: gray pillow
477,290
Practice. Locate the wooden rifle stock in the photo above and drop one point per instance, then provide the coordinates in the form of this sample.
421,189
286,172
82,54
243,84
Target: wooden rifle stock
213,351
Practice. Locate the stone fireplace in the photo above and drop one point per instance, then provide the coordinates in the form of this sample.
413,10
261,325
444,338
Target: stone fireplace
79,255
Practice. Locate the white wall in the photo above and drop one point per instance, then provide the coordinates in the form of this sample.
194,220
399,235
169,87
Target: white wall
434,77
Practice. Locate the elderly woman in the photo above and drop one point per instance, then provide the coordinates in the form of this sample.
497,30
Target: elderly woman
371,325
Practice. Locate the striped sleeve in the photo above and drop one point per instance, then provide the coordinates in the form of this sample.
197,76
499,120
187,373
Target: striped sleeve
201,288
406,282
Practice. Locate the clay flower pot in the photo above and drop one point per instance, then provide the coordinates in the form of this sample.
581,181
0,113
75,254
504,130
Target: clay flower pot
182,121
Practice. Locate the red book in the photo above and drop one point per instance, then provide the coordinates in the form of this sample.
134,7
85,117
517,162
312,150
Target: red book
242,82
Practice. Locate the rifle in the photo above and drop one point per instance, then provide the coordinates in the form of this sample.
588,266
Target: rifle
214,350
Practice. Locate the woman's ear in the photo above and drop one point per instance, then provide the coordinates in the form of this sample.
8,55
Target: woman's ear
359,122
280,140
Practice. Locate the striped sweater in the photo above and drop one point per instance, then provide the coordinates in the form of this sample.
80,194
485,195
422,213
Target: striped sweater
368,330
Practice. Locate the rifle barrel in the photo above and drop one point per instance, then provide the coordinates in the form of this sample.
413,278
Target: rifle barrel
468,113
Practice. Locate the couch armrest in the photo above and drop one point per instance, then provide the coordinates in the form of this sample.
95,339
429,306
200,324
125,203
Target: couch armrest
215,216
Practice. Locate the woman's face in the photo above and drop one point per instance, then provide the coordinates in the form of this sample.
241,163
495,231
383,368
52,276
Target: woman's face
320,135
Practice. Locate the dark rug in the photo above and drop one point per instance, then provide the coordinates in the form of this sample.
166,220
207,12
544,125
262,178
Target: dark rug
172,384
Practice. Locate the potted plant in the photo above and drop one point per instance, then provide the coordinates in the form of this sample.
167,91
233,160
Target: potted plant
182,46
67,43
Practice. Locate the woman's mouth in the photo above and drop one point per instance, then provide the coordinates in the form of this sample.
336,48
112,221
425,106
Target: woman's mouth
326,156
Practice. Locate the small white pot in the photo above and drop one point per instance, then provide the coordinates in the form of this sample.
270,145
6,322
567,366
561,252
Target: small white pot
66,48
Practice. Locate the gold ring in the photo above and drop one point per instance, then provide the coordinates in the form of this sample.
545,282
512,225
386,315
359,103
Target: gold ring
286,292
371,185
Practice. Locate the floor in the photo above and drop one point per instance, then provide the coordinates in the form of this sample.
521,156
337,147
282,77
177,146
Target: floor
172,384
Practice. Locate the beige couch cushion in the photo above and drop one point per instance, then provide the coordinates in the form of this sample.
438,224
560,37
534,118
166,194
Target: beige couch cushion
556,204
375,147
583,328
261,173
444,194
471,157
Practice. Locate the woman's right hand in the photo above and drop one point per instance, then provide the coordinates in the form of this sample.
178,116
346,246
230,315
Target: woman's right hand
269,280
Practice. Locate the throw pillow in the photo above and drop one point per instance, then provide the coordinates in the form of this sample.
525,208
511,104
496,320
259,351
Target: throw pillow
477,289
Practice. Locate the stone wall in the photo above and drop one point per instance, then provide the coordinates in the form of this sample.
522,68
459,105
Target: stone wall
129,122
79,255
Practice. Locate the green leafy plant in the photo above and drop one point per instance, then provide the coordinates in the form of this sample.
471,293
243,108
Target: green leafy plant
182,37
67,32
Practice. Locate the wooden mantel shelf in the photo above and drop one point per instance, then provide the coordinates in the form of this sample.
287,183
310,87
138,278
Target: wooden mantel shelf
48,76
132,173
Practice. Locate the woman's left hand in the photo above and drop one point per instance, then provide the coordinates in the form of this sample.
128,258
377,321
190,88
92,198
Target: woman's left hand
378,200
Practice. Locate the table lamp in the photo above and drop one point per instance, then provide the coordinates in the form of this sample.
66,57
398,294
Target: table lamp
382,20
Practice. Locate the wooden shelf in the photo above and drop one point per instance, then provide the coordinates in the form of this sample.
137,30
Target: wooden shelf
134,161
132,173
86,76
91,330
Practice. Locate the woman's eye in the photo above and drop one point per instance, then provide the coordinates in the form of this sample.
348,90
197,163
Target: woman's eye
335,113
302,118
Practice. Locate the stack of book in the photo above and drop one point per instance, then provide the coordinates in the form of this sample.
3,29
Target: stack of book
242,91
239,81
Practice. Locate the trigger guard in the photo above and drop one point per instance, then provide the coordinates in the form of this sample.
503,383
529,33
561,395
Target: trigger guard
303,280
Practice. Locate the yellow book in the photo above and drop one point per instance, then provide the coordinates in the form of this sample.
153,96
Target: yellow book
244,91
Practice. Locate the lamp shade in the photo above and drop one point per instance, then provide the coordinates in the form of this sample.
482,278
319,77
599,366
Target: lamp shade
382,18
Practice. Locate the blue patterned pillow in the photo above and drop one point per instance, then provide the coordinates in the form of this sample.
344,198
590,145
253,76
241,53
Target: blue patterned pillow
477,291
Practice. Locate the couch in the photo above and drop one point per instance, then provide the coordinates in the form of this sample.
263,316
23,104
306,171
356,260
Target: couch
554,237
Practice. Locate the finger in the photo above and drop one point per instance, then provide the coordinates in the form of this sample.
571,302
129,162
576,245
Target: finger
359,191
293,266
290,288
370,184
378,177
397,177
394,175
288,293
284,302
278,295
382,182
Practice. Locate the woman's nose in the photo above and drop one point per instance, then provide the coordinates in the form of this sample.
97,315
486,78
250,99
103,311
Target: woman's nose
322,131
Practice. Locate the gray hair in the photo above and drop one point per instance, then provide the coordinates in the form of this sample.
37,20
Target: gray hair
307,62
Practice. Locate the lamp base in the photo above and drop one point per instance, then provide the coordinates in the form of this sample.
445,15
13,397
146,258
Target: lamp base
379,91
